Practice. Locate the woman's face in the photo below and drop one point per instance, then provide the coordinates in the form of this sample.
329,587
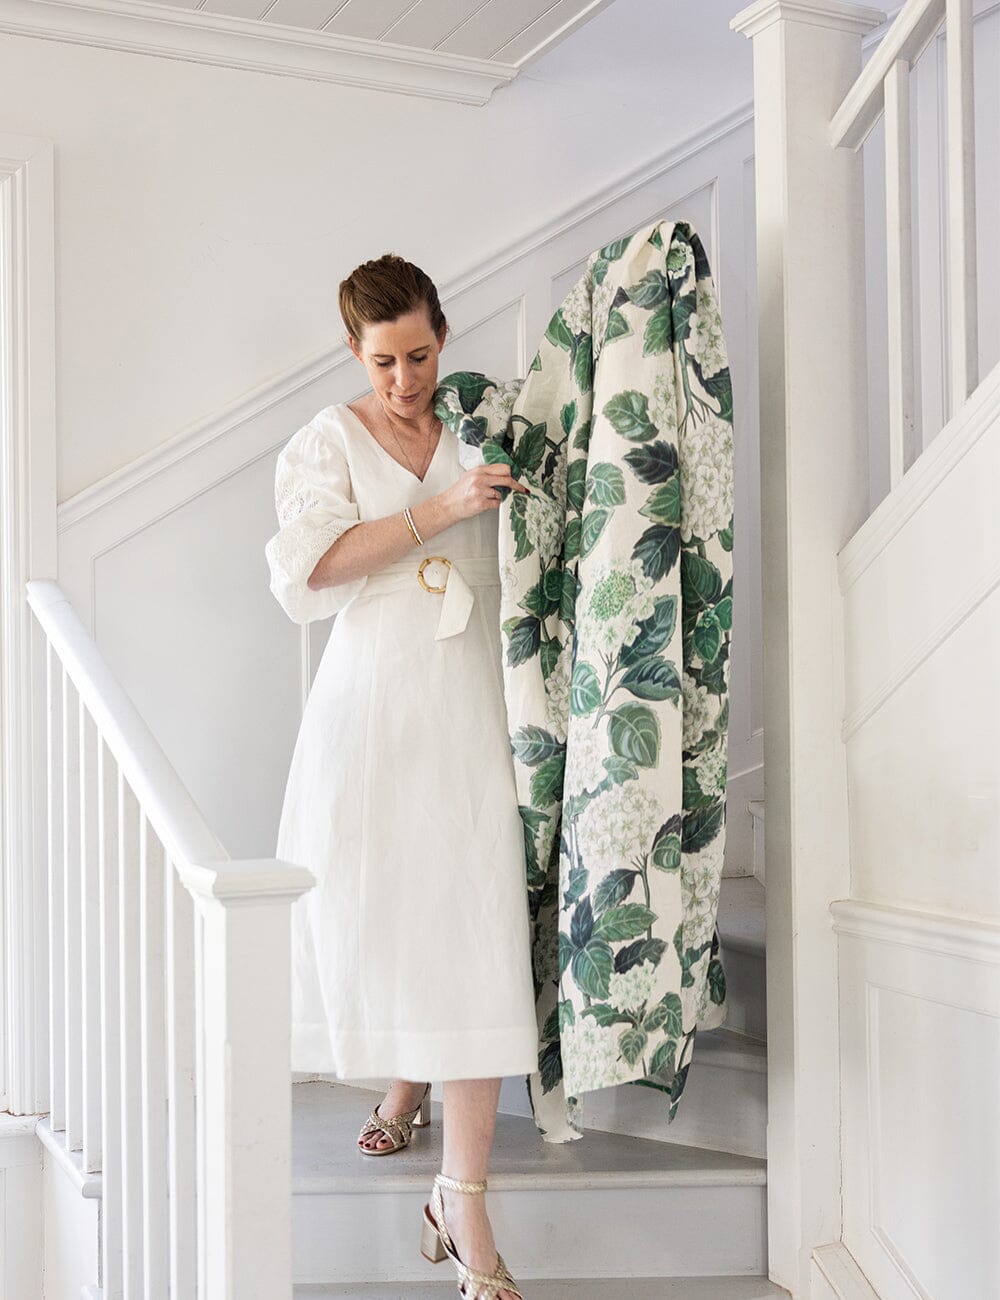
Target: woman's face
401,357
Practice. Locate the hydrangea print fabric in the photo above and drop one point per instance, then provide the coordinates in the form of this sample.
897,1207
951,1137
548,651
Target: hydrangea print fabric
616,612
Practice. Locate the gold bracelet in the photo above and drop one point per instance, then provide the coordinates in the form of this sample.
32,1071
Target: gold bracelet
412,526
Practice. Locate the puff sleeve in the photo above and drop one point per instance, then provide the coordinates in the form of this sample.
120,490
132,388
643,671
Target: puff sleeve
315,505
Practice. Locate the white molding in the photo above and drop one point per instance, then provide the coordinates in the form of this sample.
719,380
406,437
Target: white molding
841,1271
941,933
27,548
139,27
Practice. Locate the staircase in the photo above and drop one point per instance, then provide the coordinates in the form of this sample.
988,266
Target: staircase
567,1215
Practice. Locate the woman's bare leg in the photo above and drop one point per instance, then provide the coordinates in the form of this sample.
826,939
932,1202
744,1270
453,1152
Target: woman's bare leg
470,1113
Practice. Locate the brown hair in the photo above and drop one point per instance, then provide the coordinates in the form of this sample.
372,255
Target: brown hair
384,289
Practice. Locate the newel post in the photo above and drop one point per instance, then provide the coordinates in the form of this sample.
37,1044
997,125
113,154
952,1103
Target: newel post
814,495
243,989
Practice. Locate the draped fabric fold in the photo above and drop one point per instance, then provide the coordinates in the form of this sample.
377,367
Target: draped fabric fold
616,618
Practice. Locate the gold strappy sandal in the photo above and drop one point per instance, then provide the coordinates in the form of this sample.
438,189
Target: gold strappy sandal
436,1243
397,1128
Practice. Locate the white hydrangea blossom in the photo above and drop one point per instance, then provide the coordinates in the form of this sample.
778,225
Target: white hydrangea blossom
618,826
621,597
630,989
587,749
701,878
469,456
700,708
708,331
706,478
559,472
604,294
557,693
591,1058
576,305
711,769
498,403
662,403
544,521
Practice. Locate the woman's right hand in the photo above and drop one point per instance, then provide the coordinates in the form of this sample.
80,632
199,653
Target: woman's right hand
473,492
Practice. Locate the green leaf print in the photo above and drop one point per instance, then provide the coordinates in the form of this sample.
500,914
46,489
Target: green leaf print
583,364
632,1043
633,954
606,485
532,745
702,825
634,731
585,690
567,418
657,550
524,638
593,526
701,584
531,448
559,333
605,1015
651,290
576,479
625,922
591,968
654,462
654,633
664,505
614,888
653,679
617,326
659,332
547,781
666,851
708,636
628,413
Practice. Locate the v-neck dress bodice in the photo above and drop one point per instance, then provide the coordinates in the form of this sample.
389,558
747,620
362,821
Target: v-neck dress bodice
411,955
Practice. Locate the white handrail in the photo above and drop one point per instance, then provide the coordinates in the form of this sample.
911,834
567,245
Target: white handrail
911,32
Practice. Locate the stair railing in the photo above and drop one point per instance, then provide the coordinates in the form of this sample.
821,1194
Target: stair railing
169,1001
883,87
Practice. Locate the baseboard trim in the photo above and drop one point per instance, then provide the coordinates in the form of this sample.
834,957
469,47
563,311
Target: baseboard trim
841,1271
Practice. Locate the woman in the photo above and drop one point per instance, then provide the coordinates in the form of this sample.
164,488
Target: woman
411,956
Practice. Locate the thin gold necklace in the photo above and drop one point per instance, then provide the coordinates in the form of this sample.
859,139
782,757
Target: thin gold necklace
409,462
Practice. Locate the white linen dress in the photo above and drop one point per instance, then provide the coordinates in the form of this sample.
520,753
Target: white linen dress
411,956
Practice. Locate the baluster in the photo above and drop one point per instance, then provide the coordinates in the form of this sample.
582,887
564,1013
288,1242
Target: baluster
199,1113
131,1041
73,997
154,1094
56,855
90,938
963,331
111,1177
899,268
180,1019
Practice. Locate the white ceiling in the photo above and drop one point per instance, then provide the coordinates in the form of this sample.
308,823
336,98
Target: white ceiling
508,31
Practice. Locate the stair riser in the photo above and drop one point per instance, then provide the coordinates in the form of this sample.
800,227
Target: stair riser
599,1232
746,992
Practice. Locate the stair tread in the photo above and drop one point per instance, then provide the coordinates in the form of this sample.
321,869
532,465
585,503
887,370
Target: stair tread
635,1288
741,916
326,1119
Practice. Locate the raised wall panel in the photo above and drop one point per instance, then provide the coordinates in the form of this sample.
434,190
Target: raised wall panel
920,1056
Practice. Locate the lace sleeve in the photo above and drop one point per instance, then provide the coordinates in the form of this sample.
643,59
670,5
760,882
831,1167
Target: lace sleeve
315,505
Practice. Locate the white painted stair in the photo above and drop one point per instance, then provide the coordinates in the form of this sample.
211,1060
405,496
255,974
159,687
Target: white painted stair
604,1207
631,1209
